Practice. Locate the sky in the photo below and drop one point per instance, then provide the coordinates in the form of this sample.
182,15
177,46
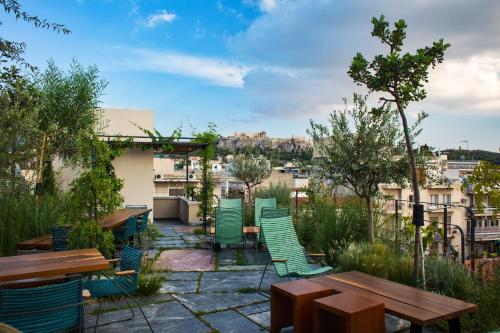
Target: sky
272,65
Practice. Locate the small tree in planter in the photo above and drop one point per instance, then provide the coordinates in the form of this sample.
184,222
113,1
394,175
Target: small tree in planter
361,158
252,171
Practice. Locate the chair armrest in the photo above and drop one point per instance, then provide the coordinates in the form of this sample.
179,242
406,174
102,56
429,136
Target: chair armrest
279,260
85,294
315,254
113,260
124,273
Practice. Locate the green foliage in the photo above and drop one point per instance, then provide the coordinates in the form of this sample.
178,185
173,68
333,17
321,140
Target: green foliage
149,281
89,234
361,151
250,170
277,156
22,218
480,155
323,226
280,191
485,182
378,260
206,194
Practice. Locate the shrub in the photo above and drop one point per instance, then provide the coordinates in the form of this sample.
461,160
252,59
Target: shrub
149,281
279,191
323,226
23,218
89,234
377,260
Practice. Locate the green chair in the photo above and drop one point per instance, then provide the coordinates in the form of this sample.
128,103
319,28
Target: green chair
228,226
49,308
126,231
123,283
230,203
59,238
259,204
287,255
268,212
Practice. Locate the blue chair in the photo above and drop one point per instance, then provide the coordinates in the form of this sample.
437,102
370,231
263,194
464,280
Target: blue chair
128,230
59,238
49,308
142,224
123,283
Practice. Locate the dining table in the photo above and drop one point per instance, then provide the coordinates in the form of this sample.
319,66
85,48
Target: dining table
51,264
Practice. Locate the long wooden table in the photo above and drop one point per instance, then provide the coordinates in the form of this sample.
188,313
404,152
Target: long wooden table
51,264
418,306
120,216
109,222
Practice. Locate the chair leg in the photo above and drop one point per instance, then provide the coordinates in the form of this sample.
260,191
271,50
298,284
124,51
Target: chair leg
140,309
98,313
262,278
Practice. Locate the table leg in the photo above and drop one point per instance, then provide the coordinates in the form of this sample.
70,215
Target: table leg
454,325
415,328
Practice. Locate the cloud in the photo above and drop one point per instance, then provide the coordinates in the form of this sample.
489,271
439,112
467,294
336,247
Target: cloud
316,41
159,17
268,5
214,71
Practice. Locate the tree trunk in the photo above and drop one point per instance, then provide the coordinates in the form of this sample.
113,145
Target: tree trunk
416,190
39,178
371,227
249,189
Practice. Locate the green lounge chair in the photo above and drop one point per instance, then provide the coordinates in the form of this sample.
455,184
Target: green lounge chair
259,204
269,212
123,283
230,203
54,307
287,255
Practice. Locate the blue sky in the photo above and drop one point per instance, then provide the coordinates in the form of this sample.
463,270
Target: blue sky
271,64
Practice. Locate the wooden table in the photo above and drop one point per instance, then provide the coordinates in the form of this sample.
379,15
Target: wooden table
51,264
251,231
419,307
120,216
43,243
292,304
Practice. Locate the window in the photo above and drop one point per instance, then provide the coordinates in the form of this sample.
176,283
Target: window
447,199
434,200
448,224
410,199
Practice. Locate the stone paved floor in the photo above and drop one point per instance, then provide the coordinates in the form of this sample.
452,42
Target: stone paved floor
201,297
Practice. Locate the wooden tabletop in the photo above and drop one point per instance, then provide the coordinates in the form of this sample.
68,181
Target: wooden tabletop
51,264
120,216
40,243
418,306
246,230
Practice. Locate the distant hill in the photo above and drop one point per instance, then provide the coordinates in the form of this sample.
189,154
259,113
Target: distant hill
481,155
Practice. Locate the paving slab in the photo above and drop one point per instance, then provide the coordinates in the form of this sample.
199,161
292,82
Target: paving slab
262,318
234,281
395,324
166,317
191,239
179,286
185,260
182,276
121,304
230,322
168,231
211,302
243,268
254,308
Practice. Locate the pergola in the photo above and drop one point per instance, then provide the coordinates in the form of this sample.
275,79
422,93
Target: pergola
176,146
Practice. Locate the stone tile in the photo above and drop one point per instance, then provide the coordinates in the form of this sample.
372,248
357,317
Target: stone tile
168,231
185,230
120,304
230,322
243,268
166,317
213,301
395,324
254,308
182,276
185,260
190,239
234,281
179,286
262,318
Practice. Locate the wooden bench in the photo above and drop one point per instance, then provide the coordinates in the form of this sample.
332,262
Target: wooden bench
418,306
348,313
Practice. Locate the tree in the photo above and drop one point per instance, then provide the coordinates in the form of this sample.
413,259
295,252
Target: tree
364,157
68,113
12,52
400,77
485,182
250,170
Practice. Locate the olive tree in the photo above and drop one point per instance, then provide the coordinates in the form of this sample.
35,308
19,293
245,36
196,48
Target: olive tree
251,170
360,150
400,77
